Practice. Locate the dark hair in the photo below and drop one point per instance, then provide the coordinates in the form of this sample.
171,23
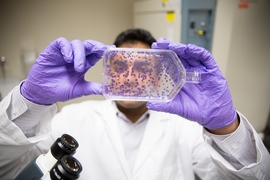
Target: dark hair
133,35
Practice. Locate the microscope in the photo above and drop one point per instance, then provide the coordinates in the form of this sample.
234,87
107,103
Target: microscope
57,164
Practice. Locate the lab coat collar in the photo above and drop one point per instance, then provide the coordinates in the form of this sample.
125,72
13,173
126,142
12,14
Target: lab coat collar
113,132
152,135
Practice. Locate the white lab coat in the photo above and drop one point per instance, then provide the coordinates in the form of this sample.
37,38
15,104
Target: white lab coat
172,147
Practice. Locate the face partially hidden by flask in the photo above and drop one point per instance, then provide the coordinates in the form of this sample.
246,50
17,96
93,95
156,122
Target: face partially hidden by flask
132,76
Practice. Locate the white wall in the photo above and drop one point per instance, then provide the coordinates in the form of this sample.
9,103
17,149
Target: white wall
241,46
31,25
153,16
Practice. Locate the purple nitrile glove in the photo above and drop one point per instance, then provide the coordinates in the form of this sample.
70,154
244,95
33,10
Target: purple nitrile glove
58,73
209,103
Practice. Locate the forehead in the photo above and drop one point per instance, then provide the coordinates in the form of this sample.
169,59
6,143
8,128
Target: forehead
132,57
135,44
136,57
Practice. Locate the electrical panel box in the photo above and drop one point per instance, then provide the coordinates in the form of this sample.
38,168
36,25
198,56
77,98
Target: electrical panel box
198,22
185,21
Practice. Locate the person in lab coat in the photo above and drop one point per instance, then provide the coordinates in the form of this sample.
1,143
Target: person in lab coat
198,132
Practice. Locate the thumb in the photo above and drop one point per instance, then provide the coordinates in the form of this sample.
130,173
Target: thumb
88,88
161,43
93,88
157,106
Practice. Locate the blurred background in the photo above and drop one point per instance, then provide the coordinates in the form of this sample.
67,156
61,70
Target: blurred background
235,31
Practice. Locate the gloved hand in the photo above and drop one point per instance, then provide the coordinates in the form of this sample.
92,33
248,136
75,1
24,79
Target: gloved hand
58,73
209,103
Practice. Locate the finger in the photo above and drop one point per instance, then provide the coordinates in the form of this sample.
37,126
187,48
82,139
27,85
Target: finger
186,59
178,48
94,88
200,55
111,46
89,88
64,46
162,43
94,50
79,55
188,54
156,106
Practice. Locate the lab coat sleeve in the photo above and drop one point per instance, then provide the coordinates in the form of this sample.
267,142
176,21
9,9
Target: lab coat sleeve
235,146
15,148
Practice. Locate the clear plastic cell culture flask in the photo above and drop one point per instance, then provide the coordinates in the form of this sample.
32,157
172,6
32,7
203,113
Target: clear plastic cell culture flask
143,74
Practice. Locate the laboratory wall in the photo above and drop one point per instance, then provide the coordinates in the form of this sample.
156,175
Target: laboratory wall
241,46
28,26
